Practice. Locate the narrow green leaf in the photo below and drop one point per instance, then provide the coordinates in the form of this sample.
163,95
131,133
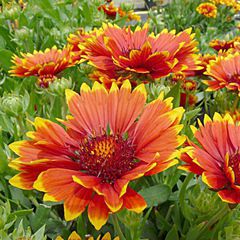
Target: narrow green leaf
172,234
175,93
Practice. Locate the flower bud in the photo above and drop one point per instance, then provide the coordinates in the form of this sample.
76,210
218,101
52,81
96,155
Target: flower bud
12,104
22,34
12,12
59,85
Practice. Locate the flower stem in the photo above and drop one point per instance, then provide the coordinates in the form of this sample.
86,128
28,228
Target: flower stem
117,227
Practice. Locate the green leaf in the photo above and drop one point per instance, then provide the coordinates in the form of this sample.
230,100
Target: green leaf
156,194
40,217
190,114
39,234
172,234
175,93
5,60
21,213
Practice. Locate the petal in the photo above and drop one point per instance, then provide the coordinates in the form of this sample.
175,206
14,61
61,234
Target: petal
111,197
124,107
76,203
31,170
90,108
214,181
98,212
74,236
230,196
133,201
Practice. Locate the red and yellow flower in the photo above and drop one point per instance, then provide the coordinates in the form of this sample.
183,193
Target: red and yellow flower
203,62
112,138
217,156
223,44
225,72
75,236
44,65
188,99
144,56
111,11
207,9
235,115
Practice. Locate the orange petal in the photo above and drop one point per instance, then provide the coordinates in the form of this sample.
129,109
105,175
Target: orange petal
133,201
111,197
76,203
214,180
74,236
98,212
124,107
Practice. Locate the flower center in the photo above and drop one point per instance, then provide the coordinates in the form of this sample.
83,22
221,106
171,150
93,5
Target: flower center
234,163
44,80
107,157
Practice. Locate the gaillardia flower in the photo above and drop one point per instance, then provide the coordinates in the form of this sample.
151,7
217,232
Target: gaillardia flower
111,11
112,138
44,65
217,156
223,44
207,9
121,52
75,236
225,72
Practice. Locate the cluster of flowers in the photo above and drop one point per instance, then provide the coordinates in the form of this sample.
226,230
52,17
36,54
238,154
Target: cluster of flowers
209,9
113,136
112,11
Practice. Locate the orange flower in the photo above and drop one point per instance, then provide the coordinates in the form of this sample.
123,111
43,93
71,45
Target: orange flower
218,155
74,39
75,236
142,55
112,138
189,85
235,115
110,10
224,45
203,62
44,65
207,9
225,72
188,99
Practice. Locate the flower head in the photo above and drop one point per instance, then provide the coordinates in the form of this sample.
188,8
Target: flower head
225,71
44,65
224,45
217,156
203,62
144,56
111,11
112,138
207,9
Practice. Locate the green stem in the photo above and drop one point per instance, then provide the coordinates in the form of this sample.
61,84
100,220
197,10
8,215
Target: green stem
183,193
117,227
